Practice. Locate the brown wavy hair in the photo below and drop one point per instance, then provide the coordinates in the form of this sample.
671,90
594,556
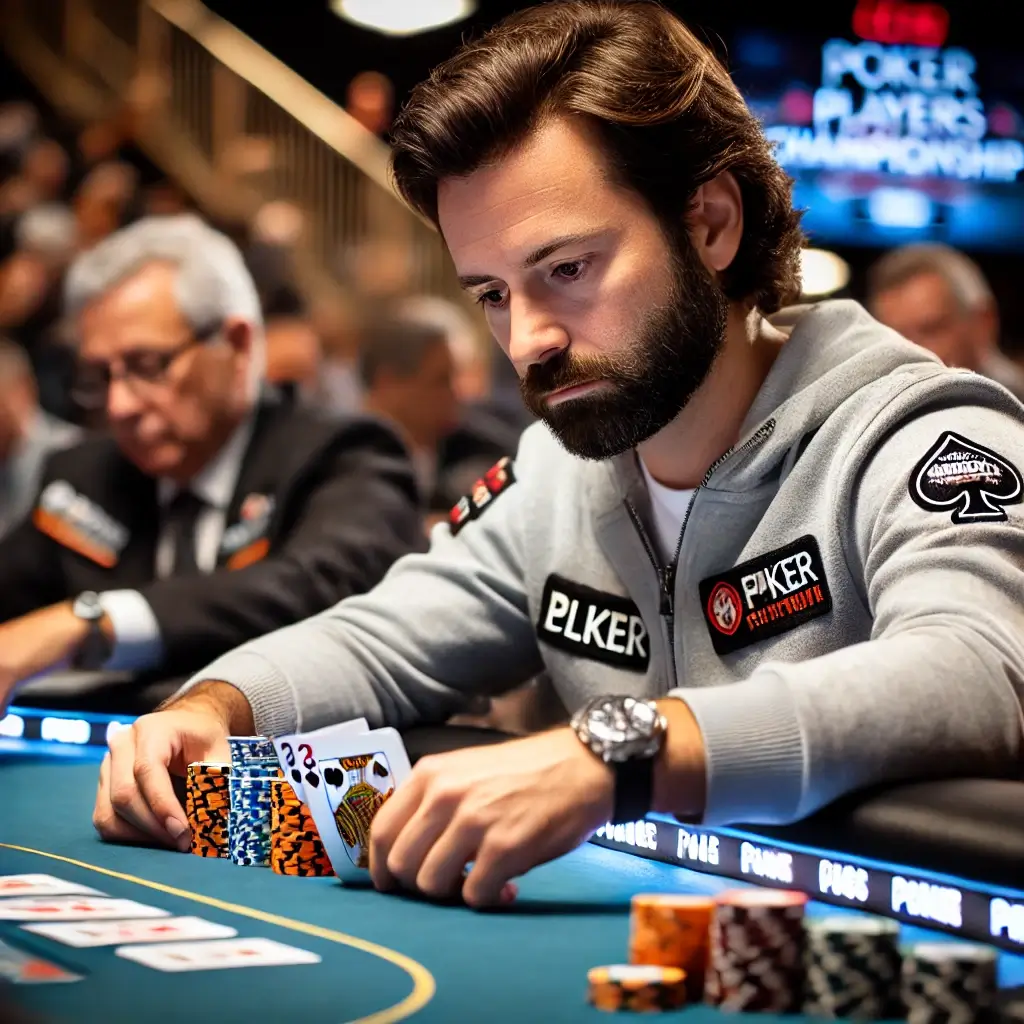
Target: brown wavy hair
667,113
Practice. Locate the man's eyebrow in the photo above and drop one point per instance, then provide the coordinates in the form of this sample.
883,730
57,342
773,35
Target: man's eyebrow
535,257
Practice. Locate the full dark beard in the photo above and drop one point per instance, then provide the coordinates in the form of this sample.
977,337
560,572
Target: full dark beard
646,386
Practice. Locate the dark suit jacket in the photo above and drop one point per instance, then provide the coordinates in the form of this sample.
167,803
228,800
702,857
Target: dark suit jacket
345,507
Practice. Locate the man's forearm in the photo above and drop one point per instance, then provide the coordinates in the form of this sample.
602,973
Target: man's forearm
219,699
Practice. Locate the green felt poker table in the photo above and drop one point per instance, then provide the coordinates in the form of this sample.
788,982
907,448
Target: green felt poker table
383,957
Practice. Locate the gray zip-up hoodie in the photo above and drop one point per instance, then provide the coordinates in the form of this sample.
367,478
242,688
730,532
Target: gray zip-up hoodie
847,606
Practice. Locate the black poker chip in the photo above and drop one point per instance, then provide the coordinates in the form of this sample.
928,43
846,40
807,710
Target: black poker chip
948,982
853,968
756,951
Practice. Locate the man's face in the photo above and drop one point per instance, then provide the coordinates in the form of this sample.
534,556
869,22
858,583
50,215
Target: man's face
171,394
425,402
611,327
923,309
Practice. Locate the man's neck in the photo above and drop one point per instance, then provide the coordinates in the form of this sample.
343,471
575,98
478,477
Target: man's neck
199,459
679,455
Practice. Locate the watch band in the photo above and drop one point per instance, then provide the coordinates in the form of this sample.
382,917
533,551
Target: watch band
634,789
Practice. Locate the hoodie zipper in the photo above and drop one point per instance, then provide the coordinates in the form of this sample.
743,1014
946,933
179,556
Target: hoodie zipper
667,573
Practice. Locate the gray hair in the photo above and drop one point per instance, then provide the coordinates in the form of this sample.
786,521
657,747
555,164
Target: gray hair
962,275
213,282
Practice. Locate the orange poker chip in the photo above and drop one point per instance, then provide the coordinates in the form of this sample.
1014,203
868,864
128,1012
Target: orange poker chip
672,930
636,987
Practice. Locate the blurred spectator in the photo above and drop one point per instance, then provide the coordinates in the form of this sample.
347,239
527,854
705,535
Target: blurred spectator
105,201
939,298
19,124
406,369
164,198
41,176
30,298
339,389
213,512
28,435
370,99
487,428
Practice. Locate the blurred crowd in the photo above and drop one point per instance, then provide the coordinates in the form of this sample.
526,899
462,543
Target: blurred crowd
366,344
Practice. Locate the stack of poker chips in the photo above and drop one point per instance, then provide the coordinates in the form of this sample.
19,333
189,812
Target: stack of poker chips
207,805
672,930
853,968
636,987
295,844
757,951
948,982
254,766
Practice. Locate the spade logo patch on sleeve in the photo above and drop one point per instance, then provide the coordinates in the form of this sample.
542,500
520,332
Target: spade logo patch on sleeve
768,595
966,479
593,624
494,482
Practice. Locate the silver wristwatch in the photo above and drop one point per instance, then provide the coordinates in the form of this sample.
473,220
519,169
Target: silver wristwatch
627,734
96,648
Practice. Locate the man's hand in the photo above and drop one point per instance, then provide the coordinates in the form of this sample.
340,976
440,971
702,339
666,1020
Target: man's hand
506,808
41,640
135,801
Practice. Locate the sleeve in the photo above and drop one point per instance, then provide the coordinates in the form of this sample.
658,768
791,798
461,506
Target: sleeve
936,690
30,569
441,627
137,641
357,512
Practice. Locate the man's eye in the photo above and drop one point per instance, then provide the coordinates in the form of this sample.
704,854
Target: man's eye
571,271
146,365
492,298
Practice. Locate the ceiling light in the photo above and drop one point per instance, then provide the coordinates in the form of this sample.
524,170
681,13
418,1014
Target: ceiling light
822,272
403,17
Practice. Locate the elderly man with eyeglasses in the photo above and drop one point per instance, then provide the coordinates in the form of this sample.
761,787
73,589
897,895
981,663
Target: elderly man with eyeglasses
210,511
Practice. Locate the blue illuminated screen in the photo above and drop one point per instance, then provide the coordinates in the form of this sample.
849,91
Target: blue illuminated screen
890,143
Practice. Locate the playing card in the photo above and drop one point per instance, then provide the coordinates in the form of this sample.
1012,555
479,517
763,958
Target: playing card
298,752
20,968
42,885
357,781
74,908
211,956
86,934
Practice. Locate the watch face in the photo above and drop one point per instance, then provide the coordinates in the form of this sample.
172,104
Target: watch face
621,720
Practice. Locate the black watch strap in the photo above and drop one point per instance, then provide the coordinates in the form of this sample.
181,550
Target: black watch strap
634,789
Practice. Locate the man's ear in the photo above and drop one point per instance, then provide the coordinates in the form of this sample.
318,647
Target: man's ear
237,332
715,221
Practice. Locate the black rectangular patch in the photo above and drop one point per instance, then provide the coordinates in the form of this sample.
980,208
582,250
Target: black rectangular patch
768,595
595,625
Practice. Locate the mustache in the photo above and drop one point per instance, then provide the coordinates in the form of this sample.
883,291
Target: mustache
566,370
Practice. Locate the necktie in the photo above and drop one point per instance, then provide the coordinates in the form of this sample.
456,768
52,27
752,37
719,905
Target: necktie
180,523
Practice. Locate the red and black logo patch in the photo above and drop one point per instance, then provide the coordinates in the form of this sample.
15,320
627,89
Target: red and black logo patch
768,595
495,481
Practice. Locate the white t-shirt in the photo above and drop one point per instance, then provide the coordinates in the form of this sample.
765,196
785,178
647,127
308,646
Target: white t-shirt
668,507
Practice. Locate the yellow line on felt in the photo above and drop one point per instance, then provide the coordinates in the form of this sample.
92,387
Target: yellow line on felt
423,985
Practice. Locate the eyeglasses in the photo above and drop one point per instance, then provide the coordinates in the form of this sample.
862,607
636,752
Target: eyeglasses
139,368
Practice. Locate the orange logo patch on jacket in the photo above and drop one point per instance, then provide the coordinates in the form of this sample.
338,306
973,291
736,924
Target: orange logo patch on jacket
79,524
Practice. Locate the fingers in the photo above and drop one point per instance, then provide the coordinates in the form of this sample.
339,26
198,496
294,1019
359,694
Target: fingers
104,817
388,824
499,859
124,795
442,859
155,745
